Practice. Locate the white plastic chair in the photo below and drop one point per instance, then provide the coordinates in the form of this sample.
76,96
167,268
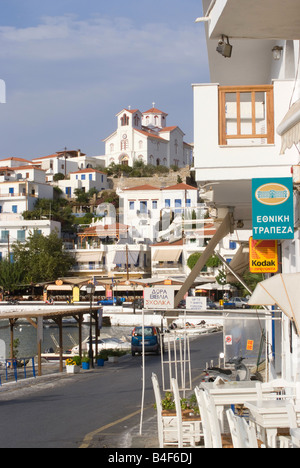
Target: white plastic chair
172,431
243,435
218,440
278,389
188,432
204,417
166,425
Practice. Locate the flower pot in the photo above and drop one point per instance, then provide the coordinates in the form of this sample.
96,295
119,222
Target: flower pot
100,362
85,365
73,369
112,358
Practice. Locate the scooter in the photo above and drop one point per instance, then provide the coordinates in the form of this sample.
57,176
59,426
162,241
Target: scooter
239,373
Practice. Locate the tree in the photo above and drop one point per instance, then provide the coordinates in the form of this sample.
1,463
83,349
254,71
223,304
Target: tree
42,258
11,275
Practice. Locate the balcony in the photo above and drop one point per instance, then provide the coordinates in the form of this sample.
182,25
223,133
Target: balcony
246,115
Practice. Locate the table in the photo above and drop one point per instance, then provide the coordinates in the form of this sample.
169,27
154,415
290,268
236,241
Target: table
270,415
230,393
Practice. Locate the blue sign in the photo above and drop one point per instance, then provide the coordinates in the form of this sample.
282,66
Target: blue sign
273,208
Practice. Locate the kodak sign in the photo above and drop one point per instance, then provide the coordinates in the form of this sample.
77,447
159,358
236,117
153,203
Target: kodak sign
263,256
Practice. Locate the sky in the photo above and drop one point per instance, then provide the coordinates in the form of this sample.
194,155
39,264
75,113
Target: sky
70,66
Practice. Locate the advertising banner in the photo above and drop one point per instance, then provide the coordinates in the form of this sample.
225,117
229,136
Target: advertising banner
263,256
160,297
273,208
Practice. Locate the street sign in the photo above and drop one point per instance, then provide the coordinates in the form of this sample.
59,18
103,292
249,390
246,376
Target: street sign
273,208
196,303
160,297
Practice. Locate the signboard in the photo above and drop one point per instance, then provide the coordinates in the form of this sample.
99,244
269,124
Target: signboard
196,303
263,256
161,298
273,208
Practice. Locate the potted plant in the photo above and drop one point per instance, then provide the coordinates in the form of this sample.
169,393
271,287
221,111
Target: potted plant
85,362
101,358
114,354
73,365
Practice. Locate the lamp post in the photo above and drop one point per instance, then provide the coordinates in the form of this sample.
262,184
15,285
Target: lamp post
90,289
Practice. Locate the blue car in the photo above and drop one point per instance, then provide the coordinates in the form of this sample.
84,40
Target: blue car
152,340
110,302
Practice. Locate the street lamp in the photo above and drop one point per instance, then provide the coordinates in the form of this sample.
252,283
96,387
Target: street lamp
90,289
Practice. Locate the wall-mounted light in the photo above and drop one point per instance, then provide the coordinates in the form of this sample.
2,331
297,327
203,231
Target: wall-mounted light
277,52
224,48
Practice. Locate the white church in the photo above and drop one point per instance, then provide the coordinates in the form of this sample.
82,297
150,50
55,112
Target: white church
145,136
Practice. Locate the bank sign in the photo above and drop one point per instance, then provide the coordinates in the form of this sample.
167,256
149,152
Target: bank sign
273,208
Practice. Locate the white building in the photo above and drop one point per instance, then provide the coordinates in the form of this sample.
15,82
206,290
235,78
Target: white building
149,210
236,117
84,179
13,228
21,186
64,162
146,137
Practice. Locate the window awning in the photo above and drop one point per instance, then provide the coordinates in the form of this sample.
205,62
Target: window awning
89,256
121,257
289,128
167,255
239,263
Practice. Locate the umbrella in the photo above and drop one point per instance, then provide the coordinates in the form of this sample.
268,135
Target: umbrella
283,290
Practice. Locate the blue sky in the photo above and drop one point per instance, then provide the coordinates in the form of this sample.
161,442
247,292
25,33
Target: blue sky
70,66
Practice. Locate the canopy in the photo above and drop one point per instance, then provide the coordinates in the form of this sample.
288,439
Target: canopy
283,290
289,128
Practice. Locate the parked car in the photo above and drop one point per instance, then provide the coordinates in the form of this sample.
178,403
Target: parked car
237,303
211,305
109,302
152,340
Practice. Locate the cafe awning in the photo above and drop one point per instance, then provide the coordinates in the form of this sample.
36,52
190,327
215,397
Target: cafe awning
281,290
239,263
121,257
289,128
167,255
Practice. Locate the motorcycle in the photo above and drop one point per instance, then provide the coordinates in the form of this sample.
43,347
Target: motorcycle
239,373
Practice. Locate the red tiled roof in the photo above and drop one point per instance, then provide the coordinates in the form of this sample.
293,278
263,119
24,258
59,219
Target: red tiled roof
16,159
150,135
181,186
154,110
141,187
168,244
87,170
168,129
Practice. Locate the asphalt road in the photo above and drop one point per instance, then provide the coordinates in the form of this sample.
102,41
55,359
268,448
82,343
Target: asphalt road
97,409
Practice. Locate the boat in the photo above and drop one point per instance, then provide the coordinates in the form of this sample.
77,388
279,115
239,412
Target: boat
103,343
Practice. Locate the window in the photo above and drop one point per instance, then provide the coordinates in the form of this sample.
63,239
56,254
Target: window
167,203
143,207
131,205
11,190
68,191
124,120
90,176
82,176
188,203
15,208
154,205
21,235
177,206
4,236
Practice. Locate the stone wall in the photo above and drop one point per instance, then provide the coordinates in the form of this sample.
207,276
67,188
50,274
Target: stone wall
162,180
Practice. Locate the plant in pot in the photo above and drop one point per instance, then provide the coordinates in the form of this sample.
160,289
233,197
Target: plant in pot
73,365
101,358
114,354
85,362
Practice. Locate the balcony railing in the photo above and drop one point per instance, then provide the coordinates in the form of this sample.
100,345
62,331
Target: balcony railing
246,115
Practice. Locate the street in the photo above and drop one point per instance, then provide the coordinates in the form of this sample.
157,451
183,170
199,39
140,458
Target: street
96,409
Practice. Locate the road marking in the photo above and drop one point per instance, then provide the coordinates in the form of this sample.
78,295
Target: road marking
89,437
